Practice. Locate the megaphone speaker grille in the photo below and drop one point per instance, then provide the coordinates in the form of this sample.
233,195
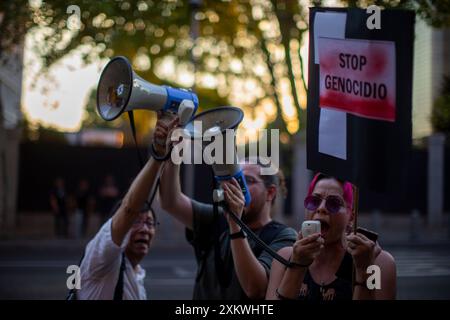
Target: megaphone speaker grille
114,88
222,117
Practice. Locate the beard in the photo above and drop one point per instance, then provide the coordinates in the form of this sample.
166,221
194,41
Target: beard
251,214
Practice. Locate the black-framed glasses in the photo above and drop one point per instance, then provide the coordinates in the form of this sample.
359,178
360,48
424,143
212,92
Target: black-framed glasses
148,223
332,203
251,180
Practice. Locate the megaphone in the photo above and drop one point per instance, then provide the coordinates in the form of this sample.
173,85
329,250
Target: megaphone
215,122
120,89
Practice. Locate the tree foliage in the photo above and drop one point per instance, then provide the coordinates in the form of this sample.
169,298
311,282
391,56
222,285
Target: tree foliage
440,116
231,52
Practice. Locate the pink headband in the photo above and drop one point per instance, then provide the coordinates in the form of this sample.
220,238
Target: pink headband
347,188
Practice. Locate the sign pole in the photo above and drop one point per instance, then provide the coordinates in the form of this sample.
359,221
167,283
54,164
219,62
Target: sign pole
355,226
355,207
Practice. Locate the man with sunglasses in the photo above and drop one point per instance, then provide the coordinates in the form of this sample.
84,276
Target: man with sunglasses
230,265
110,267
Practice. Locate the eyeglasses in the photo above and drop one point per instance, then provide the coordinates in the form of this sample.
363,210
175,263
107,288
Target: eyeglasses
251,180
332,203
148,223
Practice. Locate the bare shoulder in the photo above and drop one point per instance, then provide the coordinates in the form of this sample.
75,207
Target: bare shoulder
387,265
385,259
386,262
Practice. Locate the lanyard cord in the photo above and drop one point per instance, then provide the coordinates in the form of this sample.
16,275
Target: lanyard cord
259,242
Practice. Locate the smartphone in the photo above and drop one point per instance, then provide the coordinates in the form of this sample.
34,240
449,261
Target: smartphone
369,234
309,227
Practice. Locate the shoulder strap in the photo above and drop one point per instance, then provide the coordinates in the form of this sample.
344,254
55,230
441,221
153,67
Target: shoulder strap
223,275
118,291
269,232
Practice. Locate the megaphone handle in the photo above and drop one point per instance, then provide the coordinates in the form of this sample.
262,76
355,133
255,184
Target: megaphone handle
185,111
166,117
241,180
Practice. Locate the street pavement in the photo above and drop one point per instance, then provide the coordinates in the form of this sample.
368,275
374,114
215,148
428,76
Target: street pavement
37,270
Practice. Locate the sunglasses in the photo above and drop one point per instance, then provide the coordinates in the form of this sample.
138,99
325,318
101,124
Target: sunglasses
332,203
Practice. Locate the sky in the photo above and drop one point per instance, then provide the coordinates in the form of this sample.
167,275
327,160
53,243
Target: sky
57,100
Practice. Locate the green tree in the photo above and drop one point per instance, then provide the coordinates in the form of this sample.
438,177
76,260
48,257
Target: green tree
440,116
229,46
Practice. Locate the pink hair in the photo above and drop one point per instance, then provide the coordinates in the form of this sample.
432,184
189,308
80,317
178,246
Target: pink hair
346,186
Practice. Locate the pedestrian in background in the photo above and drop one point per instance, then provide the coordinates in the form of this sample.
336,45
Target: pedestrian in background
58,205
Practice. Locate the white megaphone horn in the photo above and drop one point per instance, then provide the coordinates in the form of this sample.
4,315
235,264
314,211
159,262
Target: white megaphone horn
120,89
215,122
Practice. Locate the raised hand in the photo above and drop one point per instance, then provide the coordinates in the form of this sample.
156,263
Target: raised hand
165,124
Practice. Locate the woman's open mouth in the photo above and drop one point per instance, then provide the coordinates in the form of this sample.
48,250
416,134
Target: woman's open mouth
324,227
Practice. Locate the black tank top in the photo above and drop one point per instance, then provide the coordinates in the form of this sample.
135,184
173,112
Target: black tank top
339,289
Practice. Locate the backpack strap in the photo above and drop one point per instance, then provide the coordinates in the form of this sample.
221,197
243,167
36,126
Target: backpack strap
223,275
118,291
269,232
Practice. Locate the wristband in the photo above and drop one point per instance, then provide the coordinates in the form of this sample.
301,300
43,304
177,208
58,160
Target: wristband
298,265
281,297
238,235
156,157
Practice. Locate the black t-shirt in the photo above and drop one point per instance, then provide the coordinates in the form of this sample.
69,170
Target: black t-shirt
202,238
339,289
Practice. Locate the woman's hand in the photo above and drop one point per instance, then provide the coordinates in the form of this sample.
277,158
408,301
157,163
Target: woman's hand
305,250
363,250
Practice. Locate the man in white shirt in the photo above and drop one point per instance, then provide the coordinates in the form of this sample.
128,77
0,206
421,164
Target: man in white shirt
127,235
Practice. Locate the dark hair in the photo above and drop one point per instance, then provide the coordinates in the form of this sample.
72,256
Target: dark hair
277,179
